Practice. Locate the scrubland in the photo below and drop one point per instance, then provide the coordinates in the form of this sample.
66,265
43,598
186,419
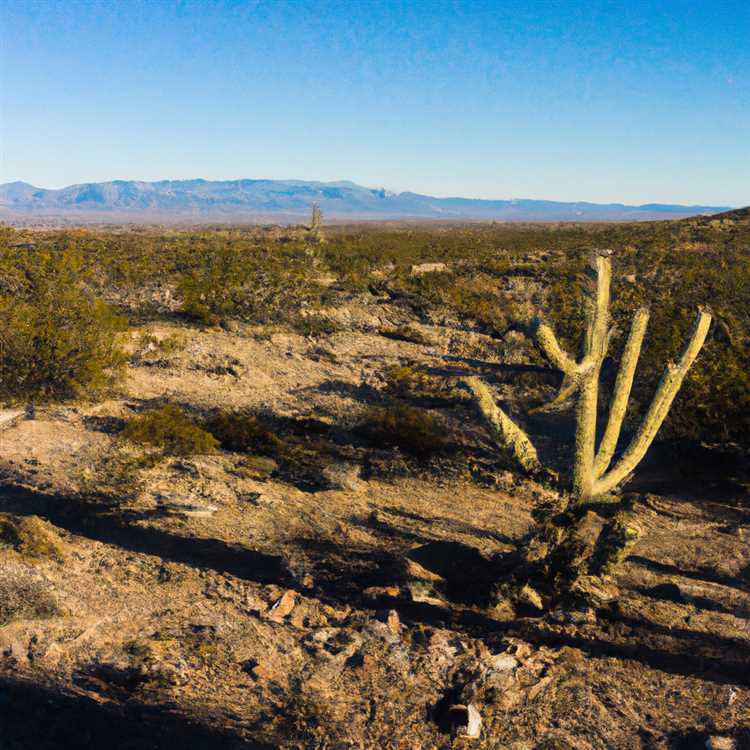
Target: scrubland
246,499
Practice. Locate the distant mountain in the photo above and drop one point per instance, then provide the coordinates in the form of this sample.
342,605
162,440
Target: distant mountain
269,200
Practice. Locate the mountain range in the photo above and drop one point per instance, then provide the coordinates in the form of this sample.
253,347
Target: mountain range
290,200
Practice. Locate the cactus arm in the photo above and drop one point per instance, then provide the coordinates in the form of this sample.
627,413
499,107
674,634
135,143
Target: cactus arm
669,385
623,386
506,433
562,397
597,313
549,344
597,338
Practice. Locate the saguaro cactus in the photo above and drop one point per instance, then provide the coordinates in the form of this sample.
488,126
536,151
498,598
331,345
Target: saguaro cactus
592,475
316,220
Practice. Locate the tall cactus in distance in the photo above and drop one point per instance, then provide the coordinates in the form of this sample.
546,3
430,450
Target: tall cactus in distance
592,476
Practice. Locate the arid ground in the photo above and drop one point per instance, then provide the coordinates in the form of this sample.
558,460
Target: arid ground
328,592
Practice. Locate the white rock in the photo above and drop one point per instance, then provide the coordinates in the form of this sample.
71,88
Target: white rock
421,268
469,721
502,662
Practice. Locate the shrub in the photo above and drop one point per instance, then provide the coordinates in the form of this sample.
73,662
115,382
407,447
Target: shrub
57,340
315,325
243,432
414,431
170,429
23,594
252,284
31,537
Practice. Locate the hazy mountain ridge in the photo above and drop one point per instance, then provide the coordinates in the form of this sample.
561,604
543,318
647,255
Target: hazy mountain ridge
248,198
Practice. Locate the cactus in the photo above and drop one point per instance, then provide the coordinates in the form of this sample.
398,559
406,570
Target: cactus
316,222
592,475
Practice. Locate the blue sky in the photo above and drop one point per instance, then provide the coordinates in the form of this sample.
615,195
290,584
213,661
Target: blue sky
634,101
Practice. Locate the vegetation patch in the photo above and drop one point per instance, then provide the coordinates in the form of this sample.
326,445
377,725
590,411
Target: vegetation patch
236,431
414,431
31,537
24,595
57,339
171,430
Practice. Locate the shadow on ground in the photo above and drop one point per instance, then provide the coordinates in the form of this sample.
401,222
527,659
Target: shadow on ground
46,718
341,573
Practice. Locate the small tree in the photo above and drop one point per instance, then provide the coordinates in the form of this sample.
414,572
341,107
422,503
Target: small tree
557,545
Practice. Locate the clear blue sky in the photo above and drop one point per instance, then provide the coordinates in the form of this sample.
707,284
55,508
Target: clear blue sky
634,101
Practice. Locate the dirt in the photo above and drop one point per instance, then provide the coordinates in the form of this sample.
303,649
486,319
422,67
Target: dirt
347,613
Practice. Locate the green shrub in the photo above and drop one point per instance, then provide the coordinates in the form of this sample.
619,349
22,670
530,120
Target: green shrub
170,429
249,283
315,325
414,431
31,537
57,340
244,433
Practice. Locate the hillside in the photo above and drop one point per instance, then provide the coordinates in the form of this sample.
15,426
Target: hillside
258,200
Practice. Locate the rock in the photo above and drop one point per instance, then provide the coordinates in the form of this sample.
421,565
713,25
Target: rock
540,686
420,268
376,592
502,662
630,278
585,616
529,596
413,569
282,607
394,622
720,743
465,721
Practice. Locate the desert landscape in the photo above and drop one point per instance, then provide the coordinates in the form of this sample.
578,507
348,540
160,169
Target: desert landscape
261,486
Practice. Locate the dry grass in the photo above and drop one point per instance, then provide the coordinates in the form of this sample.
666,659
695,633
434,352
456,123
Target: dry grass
31,537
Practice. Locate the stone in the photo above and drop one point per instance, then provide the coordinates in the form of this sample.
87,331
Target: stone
529,596
465,720
720,743
420,268
415,570
394,622
376,592
502,662
540,687
283,606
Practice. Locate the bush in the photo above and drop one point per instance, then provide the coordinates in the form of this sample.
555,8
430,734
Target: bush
57,340
24,594
414,431
170,429
242,432
315,325
31,537
252,284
